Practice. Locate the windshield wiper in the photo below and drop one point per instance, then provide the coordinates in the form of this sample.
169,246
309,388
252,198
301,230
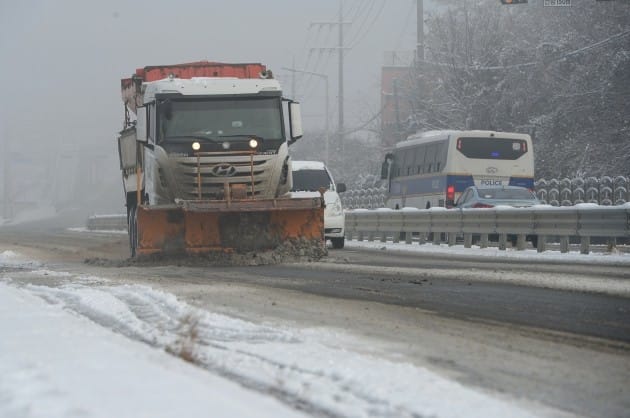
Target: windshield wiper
200,137
247,136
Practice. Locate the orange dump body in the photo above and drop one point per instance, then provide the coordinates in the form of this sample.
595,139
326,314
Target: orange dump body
194,69
130,87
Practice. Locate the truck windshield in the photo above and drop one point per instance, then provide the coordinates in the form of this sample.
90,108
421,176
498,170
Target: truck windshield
222,119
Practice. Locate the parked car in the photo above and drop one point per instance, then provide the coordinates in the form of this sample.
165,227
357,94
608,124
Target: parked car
489,197
492,196
308,177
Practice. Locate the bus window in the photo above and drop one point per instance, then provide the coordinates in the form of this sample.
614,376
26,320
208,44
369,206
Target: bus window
441,155
420,151
397,169
430,158
408,164
492,148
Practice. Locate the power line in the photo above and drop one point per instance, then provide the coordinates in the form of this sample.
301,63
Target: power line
360,37
531,63
361,127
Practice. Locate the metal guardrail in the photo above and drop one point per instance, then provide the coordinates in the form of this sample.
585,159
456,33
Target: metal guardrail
509,224
107,223
438,225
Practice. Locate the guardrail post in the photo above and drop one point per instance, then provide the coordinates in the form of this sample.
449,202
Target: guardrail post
422,238
408,238
542,243
502,242
383,237
521,241
452,239
360,236
585,243
483,241
436,238
467,240
564,244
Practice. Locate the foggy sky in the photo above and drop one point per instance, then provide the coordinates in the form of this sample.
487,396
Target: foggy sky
62,60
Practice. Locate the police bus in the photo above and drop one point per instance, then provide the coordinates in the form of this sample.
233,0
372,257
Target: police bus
433,168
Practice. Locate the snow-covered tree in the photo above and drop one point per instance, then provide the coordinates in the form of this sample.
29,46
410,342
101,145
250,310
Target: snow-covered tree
562,74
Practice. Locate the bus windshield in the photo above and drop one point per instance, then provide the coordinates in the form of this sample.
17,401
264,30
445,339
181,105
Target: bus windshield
222,119
492,148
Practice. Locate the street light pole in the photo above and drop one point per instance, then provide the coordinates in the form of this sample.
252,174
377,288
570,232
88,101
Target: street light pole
325,77
6,189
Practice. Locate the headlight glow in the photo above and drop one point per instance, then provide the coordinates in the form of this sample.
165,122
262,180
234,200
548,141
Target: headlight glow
253,143
196,146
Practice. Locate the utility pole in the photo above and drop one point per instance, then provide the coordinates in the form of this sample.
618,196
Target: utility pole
293,92
420,32
397,109
419,70
340,104
340,50
6,189
325,78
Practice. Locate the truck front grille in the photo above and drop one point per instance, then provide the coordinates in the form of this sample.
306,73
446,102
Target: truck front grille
205,176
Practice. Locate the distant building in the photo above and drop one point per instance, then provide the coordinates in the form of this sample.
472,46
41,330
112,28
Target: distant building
397,85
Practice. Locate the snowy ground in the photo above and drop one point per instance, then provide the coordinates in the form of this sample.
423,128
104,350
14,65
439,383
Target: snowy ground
601,256
91,348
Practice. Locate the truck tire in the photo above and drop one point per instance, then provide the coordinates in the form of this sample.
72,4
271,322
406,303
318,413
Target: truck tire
132,227
338,242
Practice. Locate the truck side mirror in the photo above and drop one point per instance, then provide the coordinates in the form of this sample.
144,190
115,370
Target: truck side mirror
341,187
141,125
295,121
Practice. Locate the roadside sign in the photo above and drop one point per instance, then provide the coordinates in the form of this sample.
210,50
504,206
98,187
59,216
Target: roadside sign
557,3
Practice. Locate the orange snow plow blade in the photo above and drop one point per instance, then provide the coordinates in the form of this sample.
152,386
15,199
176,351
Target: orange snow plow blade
201,227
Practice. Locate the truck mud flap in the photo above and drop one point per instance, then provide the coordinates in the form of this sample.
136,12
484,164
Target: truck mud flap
198,227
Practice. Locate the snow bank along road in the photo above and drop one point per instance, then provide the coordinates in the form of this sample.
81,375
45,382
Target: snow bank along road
364,332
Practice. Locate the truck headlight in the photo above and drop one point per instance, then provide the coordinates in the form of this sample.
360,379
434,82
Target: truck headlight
196,146
253,143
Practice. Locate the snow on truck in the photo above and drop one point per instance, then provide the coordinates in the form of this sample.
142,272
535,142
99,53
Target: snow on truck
205,162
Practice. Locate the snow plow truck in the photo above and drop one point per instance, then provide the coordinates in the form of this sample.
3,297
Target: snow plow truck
205,163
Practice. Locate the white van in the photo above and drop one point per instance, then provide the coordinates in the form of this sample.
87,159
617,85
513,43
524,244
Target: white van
308,177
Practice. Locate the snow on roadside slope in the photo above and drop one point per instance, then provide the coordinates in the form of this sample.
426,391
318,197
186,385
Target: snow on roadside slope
55,363
475,251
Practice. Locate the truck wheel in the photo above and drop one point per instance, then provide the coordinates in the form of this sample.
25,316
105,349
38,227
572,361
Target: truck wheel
132,226
338,242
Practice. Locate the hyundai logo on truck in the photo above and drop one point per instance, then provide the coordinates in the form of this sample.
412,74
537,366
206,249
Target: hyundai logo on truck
223,170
